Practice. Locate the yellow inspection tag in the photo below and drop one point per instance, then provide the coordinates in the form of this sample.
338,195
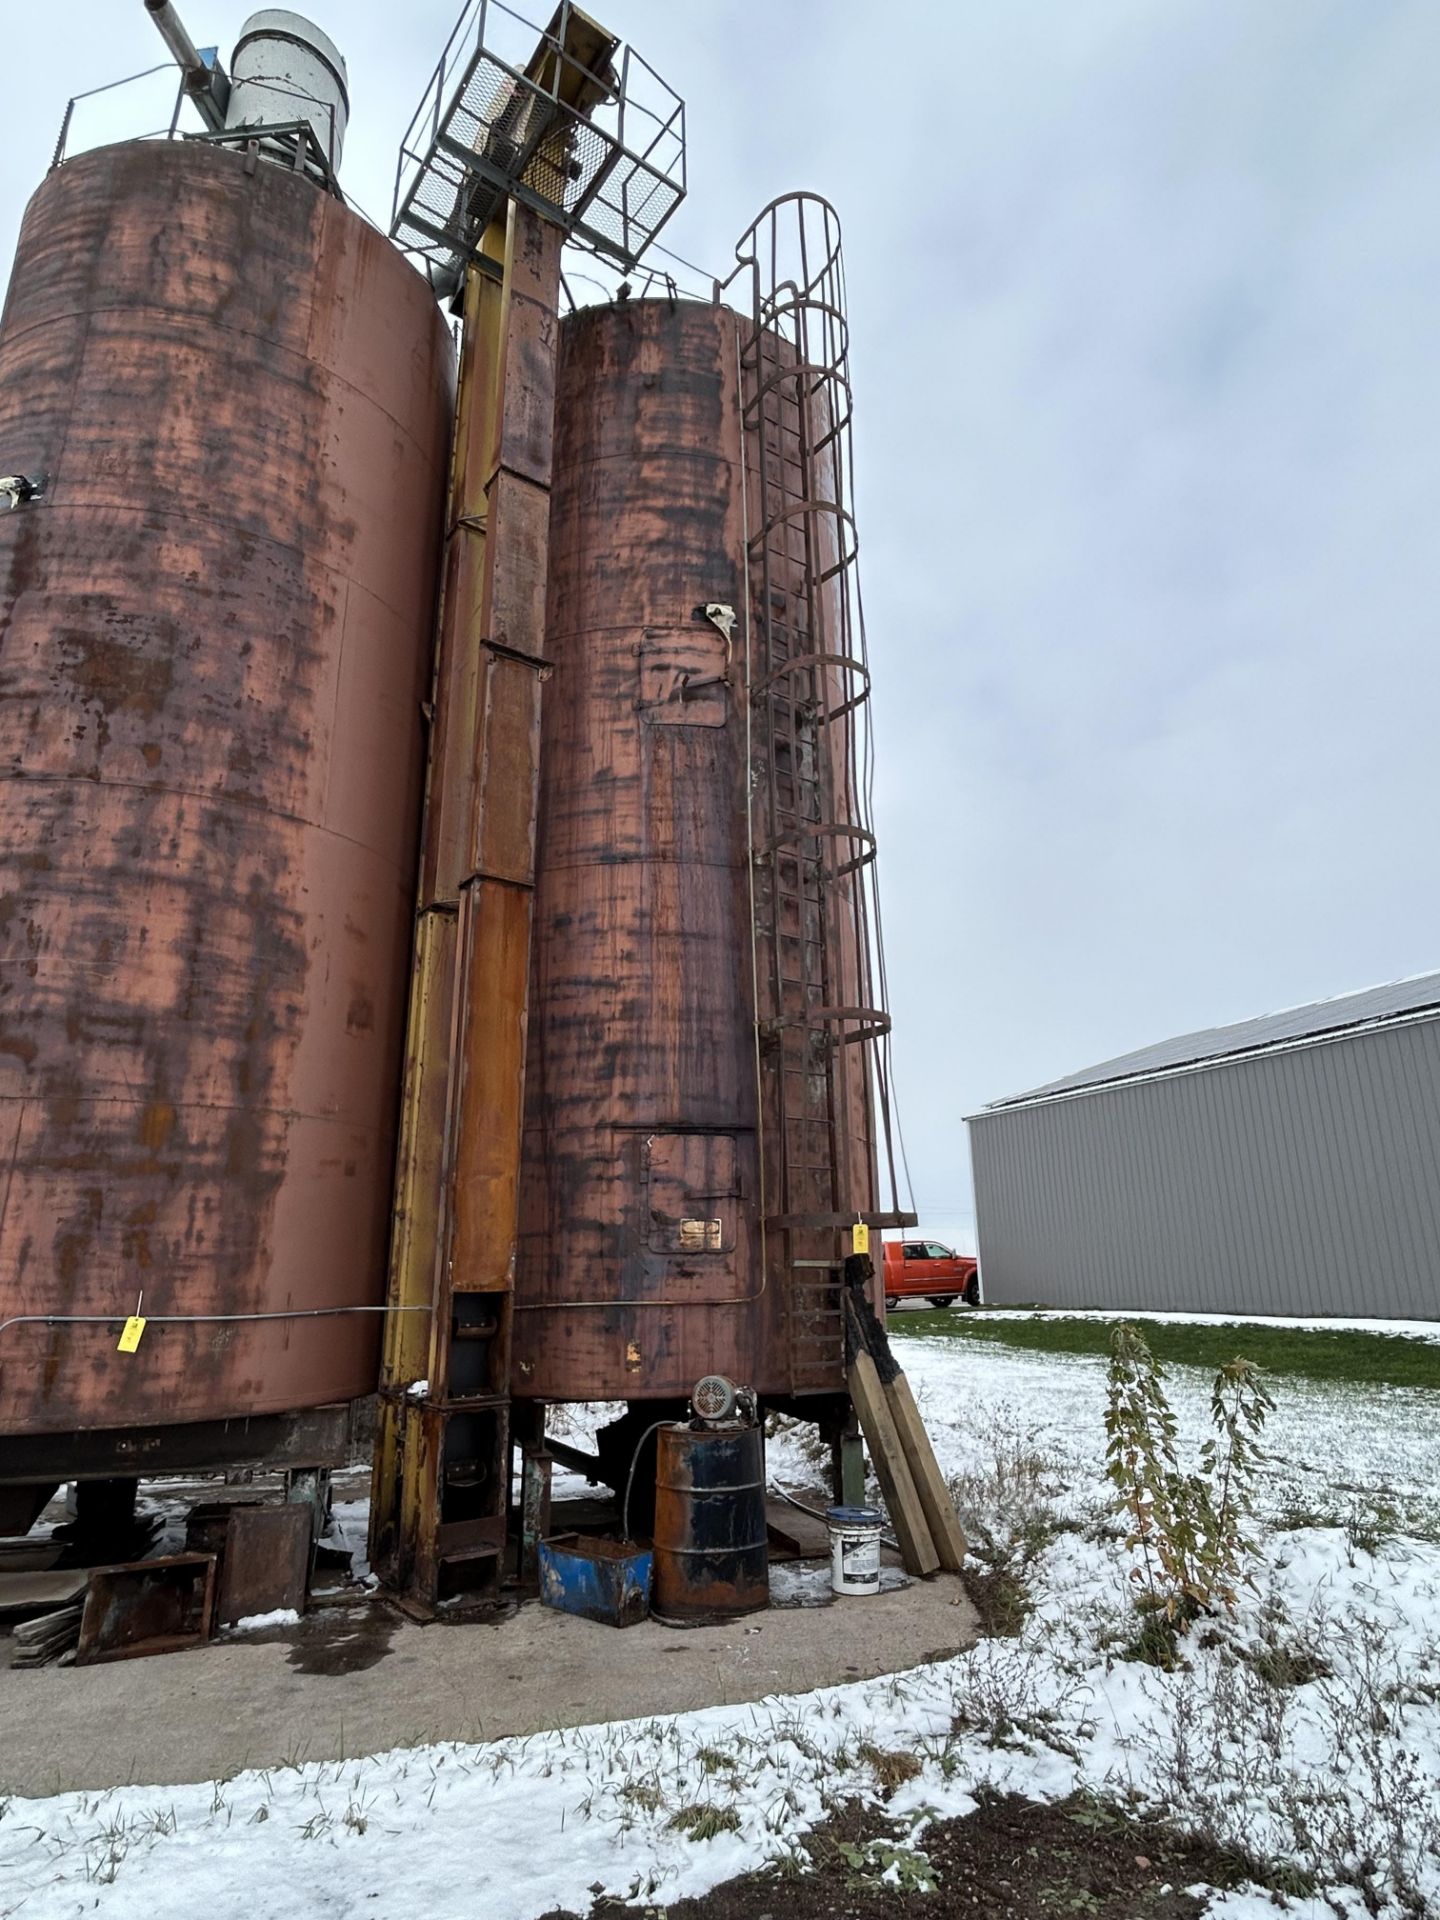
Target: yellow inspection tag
130,1337
860,1238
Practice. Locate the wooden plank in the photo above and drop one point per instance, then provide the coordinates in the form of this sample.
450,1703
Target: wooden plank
26,1555
40,1641
940,1514
907,1516
21,1592
47,1626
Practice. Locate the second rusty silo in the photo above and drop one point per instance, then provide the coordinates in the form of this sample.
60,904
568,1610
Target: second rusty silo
215,631
689,1171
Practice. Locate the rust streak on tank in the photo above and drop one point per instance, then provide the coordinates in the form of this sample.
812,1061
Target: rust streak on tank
641,1184
215,631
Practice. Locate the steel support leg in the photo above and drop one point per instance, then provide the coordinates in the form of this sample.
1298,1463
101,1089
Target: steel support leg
847,1465
105,1517
536,1466
310,1486
535,1469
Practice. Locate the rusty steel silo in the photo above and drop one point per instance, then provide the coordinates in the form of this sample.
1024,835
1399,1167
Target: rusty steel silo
640,1086
231,397
704,1096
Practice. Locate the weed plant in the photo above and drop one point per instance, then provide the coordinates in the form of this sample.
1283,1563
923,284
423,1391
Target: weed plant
1190,1528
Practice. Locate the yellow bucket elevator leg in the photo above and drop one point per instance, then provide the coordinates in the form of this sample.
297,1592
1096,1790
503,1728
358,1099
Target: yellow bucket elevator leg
441,1481
441,1473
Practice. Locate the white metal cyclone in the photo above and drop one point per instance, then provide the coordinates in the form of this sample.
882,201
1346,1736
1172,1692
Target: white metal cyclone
285,69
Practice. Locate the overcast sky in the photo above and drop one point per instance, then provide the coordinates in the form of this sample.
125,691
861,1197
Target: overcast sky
1146,315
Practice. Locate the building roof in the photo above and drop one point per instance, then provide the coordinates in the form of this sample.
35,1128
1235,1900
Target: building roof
1399,999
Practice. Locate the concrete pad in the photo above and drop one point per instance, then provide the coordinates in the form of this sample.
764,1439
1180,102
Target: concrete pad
358,1679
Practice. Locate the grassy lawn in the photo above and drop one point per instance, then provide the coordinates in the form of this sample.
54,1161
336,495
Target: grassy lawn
1373,1359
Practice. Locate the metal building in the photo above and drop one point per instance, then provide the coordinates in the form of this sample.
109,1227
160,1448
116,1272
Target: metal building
1287,1165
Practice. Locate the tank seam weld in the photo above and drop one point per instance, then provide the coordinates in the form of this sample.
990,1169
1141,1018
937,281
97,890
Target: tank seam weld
638,459
652,627
216,1106
86,314
188,514
646,859
160,790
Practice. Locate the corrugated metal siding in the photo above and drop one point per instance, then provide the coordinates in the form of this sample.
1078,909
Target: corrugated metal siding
1306,1181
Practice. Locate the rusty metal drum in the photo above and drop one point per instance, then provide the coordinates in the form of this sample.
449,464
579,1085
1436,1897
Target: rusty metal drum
215,637
711,1550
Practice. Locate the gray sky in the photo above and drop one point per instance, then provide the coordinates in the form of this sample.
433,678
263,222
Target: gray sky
1146,312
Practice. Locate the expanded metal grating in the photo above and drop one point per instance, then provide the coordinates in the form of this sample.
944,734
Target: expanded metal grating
600,150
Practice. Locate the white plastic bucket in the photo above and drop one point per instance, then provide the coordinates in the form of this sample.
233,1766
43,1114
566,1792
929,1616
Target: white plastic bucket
854,1549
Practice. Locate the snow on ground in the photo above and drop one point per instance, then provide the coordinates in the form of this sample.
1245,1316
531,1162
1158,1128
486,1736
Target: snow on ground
1339,1450
259,1622
1402,1329
1319,1748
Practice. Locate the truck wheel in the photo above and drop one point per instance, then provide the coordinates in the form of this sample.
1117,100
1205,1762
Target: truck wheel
942,1299
890,1305
972,1291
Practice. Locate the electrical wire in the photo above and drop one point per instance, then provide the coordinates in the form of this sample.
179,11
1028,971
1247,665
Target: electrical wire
816,1514
190,1319
654,1427
691,266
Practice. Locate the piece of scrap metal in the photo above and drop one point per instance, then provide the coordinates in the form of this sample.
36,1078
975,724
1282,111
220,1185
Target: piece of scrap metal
147,1606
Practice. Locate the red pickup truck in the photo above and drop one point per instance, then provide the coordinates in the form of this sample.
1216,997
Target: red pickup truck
925,1269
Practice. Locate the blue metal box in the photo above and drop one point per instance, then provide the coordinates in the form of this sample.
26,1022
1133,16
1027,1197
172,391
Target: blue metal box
605,1580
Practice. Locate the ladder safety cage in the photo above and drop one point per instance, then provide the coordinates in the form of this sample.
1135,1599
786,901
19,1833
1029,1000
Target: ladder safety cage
584,132
824,1064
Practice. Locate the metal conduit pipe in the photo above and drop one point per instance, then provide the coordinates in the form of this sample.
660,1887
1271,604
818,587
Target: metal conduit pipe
208,85
172,32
